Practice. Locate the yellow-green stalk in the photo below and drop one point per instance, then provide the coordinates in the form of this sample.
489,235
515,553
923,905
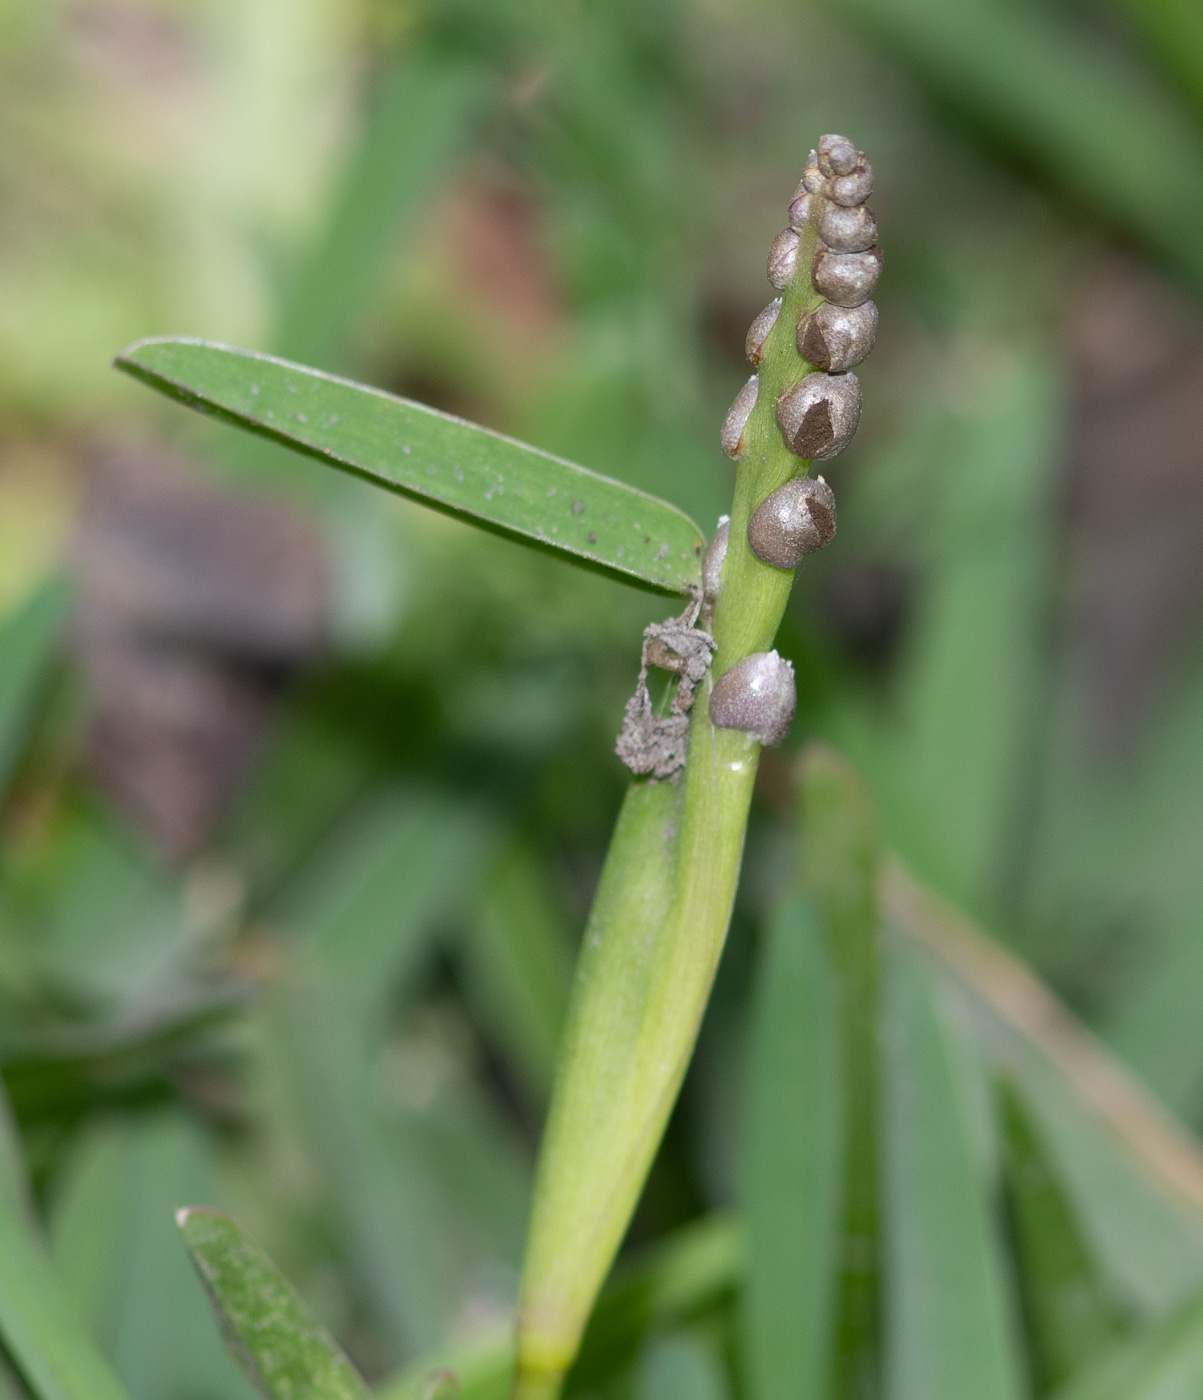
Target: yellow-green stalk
661,913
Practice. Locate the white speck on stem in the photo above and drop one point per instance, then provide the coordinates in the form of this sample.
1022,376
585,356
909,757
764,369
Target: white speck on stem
302,418
406,449
254,388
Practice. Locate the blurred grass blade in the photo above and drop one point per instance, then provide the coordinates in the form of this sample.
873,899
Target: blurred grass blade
951,1329
1134,1174
518,965
28,638
1098,128
420,117
838,872
446,463
793,1159
120,1258
1164,1363
366,911
679,1279
1069,1309
270,1332
44,1338
681,1367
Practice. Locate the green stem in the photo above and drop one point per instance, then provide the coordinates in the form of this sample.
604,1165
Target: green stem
654,937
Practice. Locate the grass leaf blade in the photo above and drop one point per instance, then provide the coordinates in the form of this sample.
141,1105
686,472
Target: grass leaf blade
454,466
794,1153
951,1332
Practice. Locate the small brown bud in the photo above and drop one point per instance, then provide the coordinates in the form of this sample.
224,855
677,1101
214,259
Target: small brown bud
818,416
737,417
758,331
812,176
847,230
796,520
837,337
855,188
846,278
757,694
712,560
800,210
783,259
837,155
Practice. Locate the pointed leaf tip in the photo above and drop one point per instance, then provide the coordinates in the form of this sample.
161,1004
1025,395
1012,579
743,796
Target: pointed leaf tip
454,466
268,1329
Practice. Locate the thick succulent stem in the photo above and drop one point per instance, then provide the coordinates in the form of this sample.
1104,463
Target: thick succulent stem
661,915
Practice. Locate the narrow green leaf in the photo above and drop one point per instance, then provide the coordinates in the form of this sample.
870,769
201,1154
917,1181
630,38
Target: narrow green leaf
1164,1363
794,1156
446,463
366,910
41,1332
282,1350
28,638
951,1330
1134,1174
120,1258
838,872
1069,1309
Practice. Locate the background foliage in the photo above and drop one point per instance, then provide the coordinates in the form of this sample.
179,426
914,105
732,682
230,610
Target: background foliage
295,854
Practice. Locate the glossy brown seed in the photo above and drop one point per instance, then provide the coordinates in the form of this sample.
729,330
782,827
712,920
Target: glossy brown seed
818,416
846,278
731,437
796,520
783,259
758,331
712,560
757,694
852,189
837,337
837,155
847,230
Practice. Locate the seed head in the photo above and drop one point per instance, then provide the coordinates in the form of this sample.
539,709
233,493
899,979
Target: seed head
837,155
847,230
818,416
736,421
758,331
783,259
846,278
796,520
837,337
757,694
712,560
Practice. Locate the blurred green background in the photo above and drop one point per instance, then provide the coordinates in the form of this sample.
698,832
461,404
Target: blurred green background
305,791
